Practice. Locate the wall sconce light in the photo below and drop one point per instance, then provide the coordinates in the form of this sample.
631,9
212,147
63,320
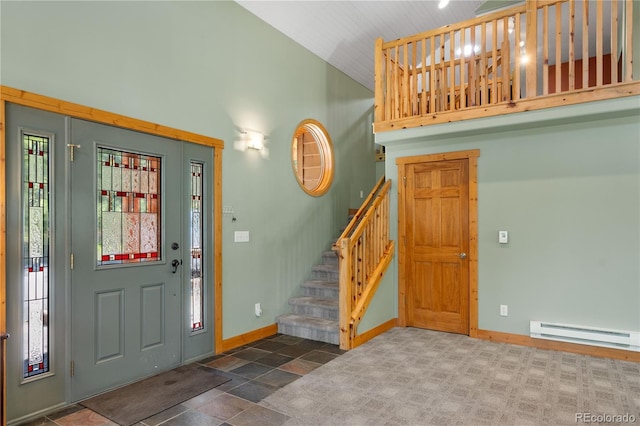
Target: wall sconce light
254,140
251,139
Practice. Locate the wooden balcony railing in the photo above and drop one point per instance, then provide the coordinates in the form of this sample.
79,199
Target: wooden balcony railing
364,252
541,54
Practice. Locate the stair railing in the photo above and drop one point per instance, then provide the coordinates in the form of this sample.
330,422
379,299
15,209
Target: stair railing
364,253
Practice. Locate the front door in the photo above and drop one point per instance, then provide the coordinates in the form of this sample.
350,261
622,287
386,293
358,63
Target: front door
436,220
126,244
109,257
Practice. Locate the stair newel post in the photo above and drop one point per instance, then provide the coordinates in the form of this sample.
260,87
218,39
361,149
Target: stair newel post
345,294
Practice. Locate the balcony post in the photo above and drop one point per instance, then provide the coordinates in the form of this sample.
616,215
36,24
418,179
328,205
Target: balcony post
378,83
345,304
531,44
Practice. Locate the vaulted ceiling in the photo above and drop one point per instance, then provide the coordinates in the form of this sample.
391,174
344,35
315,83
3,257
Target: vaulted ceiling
343,33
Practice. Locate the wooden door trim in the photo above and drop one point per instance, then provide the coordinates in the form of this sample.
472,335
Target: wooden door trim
402,163
21,97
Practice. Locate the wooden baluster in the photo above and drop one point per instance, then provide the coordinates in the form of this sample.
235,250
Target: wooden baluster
390,84
396,83
545,50
442,76
628,48
483,66
423,104
558,48
599,53
614,41
414,79
572,55
432,77
585,44
462,88
452,73
518,59
505,63
532,47
494,62
405,80
473,65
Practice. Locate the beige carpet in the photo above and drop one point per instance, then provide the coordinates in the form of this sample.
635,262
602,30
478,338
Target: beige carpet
409,376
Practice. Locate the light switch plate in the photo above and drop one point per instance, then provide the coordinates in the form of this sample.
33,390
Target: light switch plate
241,236
503,237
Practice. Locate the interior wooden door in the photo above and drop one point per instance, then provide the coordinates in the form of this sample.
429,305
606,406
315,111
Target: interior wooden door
436,215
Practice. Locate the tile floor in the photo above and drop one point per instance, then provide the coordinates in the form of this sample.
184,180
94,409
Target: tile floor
256,370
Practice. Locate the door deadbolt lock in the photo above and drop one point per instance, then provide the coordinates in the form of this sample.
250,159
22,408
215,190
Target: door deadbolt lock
175,246
174,264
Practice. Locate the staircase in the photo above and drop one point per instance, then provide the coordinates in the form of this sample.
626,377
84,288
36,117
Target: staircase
315,313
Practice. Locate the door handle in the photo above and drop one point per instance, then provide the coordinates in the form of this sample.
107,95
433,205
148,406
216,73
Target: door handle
174,264
4,336
462,255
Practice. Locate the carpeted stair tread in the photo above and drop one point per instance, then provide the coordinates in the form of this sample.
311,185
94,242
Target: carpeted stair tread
326,268
322,302
316,323
330,257
321,288
321,284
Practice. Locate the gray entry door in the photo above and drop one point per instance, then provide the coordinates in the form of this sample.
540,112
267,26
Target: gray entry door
126,240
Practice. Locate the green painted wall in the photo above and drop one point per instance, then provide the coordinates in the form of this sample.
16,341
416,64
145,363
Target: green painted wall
211,68
565,183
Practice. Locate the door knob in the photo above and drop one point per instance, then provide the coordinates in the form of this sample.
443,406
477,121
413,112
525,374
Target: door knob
462,255
174,264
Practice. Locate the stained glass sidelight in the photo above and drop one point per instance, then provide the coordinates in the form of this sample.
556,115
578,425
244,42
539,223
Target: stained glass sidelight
197,292
35,253
128,207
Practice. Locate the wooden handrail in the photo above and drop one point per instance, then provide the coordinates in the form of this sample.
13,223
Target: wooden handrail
364,253
359,213
519,58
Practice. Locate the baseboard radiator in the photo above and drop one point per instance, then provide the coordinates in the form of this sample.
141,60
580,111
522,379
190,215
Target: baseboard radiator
618,339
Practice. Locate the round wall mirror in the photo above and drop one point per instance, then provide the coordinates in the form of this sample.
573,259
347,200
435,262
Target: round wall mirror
312,157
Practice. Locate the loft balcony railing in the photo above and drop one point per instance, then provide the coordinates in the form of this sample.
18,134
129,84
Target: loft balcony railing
541,54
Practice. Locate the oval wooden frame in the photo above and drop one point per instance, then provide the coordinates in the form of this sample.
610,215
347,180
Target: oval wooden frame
325,146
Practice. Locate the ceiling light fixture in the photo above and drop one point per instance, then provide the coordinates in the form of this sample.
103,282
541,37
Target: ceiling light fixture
443,4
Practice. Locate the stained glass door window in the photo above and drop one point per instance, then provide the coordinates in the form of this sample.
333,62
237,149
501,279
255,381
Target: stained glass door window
128,207
35,253
197,279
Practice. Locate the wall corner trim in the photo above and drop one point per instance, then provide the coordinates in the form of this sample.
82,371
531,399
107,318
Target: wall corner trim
245,338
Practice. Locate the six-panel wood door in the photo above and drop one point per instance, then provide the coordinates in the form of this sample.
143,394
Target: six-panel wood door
437,245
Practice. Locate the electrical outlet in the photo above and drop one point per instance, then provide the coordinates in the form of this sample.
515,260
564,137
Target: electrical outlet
504,310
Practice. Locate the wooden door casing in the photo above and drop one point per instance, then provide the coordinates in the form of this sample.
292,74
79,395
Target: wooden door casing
437,216
44,103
